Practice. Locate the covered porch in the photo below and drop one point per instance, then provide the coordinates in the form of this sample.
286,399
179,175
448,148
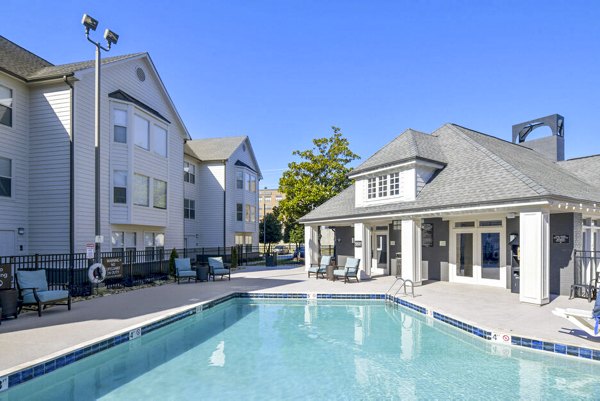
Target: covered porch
525,249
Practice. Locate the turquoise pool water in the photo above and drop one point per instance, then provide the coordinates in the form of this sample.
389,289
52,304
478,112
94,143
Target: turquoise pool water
263,350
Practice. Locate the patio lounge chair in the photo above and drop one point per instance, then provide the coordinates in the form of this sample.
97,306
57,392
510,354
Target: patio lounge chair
217,268
588,321
183,269
349,271
321,268
33,291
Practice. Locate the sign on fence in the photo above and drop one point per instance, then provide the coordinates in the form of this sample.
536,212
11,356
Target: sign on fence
114,267
90,250
5,277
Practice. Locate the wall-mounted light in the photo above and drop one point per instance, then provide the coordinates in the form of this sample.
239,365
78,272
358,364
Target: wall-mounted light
20,231
511,215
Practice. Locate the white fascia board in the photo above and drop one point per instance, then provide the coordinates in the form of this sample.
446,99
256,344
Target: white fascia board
414,162
457,210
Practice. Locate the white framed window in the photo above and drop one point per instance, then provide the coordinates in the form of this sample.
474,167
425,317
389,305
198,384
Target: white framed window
248,213
252,213
239,212
382,181
159,141
130,241
154,245
117,240
252,183
371,188
189,209
239,180
279,198
5,177
123,241
119,186
189,172
6,104
394,184
141,190
160,194
142,132
119,126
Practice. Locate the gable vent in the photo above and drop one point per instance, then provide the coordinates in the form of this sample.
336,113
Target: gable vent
140,74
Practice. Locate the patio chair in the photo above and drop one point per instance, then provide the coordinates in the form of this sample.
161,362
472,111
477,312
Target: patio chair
183,269
33,291
216,267
349,271
321,268
588,321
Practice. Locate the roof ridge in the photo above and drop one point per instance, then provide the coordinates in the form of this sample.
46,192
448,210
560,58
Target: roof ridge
535,186
579,158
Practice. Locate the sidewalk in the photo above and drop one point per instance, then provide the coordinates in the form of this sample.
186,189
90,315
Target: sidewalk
31,339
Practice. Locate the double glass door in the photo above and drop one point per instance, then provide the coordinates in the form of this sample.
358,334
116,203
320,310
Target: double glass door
478,257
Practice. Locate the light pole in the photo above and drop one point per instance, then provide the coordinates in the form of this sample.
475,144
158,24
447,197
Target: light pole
111,39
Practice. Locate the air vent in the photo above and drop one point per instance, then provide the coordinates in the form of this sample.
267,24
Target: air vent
140,74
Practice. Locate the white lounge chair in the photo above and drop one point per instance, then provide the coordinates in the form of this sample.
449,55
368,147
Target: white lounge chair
583,319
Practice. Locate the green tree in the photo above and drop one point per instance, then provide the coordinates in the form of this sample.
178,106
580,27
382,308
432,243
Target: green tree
320,174
273,231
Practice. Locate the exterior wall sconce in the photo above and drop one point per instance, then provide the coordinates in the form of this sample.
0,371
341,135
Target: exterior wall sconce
20,231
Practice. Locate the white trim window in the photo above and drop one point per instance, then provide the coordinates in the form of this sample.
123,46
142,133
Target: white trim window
119,126
189,209
371,188
142,132
189,172
252,183
239,212
160,194
141,190
120,186
5,177
248,213
6,106
239,179
159,141
394,184
154,245
382,182
123,241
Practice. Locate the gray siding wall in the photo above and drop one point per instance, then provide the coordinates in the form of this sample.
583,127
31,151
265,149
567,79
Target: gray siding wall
561,255
345,247
14,145
49,186
437,254
209,205
193,227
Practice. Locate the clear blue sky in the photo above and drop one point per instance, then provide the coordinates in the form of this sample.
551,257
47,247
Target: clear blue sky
284,71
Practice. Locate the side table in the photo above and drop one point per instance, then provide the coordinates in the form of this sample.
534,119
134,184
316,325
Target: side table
330,269
9,303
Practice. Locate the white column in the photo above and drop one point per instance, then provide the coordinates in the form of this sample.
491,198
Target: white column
361,234
311,245
411,250
535,257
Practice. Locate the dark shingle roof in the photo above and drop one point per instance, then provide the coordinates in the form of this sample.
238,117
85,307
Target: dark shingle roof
479,169
17,61
410,144
21,63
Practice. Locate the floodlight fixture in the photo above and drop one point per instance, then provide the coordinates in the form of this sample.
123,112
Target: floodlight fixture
111,37
89,23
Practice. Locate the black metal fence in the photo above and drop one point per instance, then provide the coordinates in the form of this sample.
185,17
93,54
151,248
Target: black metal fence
586,269
145,266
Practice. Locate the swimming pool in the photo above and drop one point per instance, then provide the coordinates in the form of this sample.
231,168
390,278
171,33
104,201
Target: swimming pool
249,349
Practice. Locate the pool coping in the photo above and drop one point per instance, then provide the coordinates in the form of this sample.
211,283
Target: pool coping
25,372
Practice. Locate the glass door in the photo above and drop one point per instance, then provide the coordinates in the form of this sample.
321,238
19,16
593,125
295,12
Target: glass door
380,253
490,256
464,254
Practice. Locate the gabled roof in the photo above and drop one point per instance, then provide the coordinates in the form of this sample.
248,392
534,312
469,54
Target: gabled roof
220,149
409,145
21,63
480,169
212,149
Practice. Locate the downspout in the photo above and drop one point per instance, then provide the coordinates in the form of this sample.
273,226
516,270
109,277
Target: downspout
224,205
71,171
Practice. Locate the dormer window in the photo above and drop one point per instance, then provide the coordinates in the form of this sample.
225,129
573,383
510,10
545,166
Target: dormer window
383,186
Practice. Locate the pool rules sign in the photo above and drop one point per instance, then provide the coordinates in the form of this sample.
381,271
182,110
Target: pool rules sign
5,277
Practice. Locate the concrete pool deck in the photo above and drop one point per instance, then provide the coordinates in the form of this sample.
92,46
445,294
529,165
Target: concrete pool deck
30,339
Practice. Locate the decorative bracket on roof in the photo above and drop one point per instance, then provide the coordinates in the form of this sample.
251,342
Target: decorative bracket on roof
121,95
556,122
